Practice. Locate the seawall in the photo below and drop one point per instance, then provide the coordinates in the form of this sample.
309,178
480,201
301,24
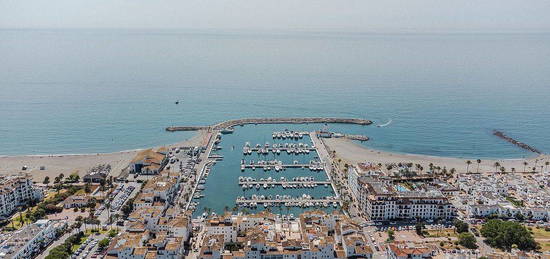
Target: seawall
231,123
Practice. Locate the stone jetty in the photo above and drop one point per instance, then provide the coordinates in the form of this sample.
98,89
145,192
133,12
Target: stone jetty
239,122
501,135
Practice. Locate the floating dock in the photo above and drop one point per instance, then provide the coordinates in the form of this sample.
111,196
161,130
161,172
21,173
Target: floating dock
240,122
278,167
283,182
294,201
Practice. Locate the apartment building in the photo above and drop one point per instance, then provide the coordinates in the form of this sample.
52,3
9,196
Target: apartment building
16,191
382,201
28,241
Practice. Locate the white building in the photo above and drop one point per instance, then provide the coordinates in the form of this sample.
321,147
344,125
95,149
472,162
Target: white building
363,169
382,201
16,191
28,241
222,226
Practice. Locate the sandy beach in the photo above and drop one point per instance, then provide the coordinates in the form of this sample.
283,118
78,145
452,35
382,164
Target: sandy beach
354,153
79,163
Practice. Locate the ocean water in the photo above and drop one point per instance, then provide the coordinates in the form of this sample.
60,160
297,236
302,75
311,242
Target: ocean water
88,91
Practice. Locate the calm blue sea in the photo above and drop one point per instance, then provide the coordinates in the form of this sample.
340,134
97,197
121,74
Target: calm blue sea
87,91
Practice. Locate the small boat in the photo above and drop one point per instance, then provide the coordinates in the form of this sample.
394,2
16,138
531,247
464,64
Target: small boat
227,130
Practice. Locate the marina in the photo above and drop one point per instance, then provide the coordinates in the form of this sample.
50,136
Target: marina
288,182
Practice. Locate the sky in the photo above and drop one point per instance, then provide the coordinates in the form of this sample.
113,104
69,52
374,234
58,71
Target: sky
339,15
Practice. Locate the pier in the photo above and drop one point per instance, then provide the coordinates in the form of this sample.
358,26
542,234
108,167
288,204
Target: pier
501,135
277,167
288,202
289,150
240,122
284,182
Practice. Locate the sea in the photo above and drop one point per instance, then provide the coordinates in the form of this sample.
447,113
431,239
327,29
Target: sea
70,91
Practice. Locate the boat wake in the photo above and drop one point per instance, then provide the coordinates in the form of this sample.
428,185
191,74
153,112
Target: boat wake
385,124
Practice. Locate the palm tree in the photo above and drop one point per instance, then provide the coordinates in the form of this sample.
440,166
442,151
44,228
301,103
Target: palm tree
524,165
497,164
468,162
513,169
502,169
478,162
546,164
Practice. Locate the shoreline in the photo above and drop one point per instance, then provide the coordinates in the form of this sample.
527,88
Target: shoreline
67,164
346,149
356,153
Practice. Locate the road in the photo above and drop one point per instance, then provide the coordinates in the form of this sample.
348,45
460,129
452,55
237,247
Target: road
57,242
202,165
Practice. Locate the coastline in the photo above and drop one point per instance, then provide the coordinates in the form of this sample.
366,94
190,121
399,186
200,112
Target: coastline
355,153
67,164
345,149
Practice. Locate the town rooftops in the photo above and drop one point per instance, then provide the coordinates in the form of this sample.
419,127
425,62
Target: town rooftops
406,250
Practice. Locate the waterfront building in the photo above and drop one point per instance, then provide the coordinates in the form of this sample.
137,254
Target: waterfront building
385,201
362,169
95,177
148,162
29,240
17,191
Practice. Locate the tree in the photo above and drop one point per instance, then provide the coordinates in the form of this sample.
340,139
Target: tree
46,180
497,164
478,162
460,226
74,177
87,188
468,163
524,165
103,243
546,165
419,226
467,240
113,233
391,235
505,234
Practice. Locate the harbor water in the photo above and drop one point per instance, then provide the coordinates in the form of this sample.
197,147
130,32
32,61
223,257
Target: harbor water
222,185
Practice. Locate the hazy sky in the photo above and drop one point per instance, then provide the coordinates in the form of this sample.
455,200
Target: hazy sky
349,15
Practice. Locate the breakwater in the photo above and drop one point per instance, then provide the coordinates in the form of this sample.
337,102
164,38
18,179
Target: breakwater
239,122
520,144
